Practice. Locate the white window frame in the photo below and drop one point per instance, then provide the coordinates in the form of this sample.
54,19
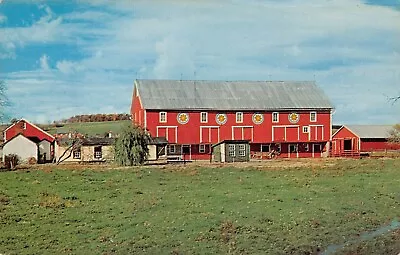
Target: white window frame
242,150
295,146
239,117
306,129
202,148
231,150
315,117
98,154
201,117
277,117
171,148
160,117
24,125
76,154
266,145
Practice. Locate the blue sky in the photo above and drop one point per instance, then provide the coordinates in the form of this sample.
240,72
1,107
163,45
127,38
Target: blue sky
60,59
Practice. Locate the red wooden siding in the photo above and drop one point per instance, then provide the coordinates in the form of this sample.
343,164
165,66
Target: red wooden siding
137,111
28,130
343,138
194,132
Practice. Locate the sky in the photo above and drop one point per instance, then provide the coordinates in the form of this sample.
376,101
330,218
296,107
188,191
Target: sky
64,58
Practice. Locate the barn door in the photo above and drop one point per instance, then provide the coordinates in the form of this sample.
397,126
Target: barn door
209,135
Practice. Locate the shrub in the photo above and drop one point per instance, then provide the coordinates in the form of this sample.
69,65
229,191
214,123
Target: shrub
11,161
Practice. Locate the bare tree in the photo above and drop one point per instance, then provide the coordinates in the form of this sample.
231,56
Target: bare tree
4,102
73,145
394,134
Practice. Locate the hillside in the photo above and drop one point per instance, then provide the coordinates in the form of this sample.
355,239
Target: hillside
87,128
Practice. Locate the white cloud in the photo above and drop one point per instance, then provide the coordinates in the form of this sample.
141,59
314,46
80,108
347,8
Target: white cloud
3,18
44,62
350,48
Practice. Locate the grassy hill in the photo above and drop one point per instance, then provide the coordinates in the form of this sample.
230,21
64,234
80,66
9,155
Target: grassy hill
335,205
88,128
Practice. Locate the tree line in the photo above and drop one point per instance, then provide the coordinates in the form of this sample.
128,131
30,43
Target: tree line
95,118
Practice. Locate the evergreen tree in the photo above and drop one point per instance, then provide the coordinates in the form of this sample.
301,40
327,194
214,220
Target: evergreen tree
131,146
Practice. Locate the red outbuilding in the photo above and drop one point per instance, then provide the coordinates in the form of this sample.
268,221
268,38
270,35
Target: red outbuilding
27,129
34,133
353,140
291,117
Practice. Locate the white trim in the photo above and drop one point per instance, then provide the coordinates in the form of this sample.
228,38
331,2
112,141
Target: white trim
202,151
33,125
166,133
238,114
243,127
296,145
209,132
315,116
190,150
316,131
171,146
264,144
313,149
285,126
159,117
201,119
277,117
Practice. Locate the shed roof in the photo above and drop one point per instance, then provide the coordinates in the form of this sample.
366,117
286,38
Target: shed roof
230,95
370,131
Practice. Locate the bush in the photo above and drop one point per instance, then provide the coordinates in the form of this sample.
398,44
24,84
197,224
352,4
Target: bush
11,161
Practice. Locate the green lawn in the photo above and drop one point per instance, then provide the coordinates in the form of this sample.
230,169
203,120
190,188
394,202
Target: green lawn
90,128
203,210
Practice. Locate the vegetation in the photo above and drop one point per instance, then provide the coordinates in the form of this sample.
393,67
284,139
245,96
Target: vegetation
131,146
96,118
11,161
88,128
304,207
394,135
4,102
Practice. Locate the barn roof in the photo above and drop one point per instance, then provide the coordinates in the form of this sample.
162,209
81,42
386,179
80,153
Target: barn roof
370,131
230,95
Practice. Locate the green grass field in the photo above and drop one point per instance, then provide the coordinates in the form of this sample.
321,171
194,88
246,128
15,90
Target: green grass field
90,128
295,208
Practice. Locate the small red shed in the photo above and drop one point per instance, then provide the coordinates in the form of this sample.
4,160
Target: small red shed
352,140
34,133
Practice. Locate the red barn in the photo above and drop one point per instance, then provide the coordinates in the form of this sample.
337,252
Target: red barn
351,140
31,132
293,117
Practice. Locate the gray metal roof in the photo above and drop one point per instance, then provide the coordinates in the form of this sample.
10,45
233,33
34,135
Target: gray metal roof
231,95
370,131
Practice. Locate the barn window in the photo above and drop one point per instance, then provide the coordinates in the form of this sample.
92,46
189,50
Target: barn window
24,125
293,148
202,148
275,117
305,129
231,150
239,117
265,148
98,152
203,117
313,116
242,150
163,117
172,148
77,154
306,147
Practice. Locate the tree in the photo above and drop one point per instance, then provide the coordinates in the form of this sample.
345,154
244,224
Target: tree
131,146
4,102
394,134
73,145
